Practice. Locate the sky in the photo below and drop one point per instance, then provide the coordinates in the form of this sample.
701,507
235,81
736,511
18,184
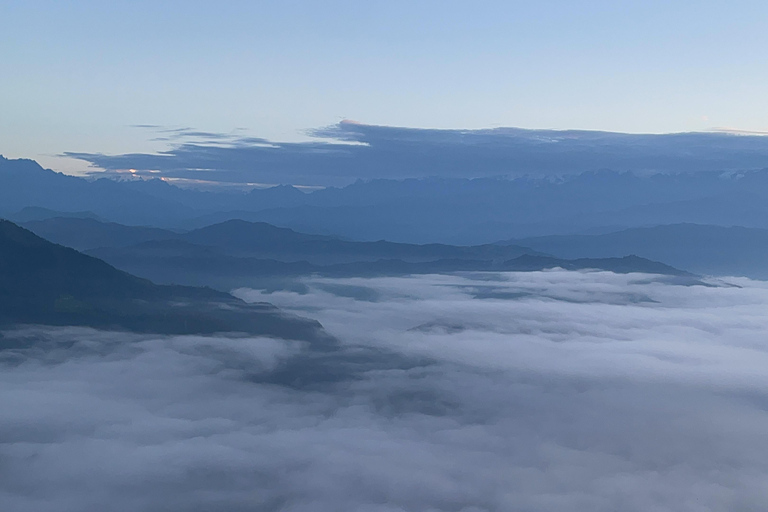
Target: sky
79,76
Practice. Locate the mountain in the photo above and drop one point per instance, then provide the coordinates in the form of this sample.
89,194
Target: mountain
258,239
23,183
45,283
620,265
238,253
234,253
266,241
31,213
703,249
85,233
453,211
476,211
179,262
221,200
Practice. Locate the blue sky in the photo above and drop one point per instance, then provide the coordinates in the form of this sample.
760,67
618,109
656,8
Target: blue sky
76,75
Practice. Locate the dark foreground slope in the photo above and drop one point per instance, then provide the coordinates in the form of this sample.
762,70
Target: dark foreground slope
45,283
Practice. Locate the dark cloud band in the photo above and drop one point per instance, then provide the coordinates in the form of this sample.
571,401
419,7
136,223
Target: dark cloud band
347,151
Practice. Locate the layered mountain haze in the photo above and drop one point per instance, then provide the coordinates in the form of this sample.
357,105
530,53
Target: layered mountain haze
543,343
23,184
430,256
260,239
237,253
45,283
167,233
713,250
449,210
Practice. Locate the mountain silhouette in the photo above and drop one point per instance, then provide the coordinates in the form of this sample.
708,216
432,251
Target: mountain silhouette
238,253
714,250
45,283
447,210
258,239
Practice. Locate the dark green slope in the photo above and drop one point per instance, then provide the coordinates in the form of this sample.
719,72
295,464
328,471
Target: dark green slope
45,283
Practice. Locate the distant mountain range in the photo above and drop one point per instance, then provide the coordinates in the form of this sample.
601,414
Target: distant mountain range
259,239
447,210
712,250
46,283
237,253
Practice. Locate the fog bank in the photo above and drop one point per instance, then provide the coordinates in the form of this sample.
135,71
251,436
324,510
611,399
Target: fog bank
540,391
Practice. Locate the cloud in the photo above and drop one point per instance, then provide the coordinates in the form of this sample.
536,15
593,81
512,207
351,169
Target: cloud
543,391
349,150
737,131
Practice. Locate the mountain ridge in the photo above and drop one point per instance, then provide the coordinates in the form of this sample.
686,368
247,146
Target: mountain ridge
459,211
46,283
703,249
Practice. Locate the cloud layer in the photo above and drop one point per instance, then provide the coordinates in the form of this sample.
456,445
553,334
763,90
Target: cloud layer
348,151
544,391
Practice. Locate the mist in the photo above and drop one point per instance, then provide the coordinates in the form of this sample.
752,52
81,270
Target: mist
534,391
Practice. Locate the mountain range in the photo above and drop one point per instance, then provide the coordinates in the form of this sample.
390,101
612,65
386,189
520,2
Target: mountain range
149,256
713,250
703,222
238,253
45,283
425,210
42,282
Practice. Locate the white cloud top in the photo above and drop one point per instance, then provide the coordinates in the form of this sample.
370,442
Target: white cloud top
541,391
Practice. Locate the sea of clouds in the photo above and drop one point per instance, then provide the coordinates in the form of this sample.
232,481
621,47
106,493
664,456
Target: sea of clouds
539,391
